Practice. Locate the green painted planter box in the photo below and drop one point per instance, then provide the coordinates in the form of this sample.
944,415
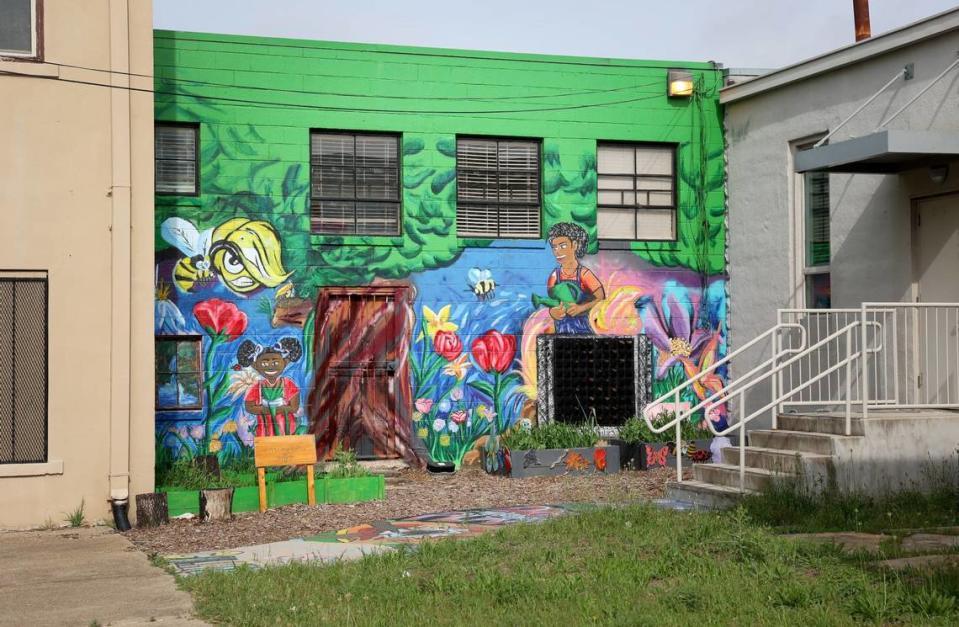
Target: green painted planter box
247,498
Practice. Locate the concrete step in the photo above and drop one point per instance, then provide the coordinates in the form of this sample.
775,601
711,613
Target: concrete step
728,475
820,443
701,494
790,462
820,423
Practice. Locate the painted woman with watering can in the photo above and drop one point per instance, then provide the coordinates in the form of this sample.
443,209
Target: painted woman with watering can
573,288
275,399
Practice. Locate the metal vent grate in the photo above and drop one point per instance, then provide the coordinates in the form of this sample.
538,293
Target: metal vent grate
23,379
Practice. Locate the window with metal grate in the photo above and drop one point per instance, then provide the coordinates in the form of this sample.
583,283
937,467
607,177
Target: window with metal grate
354,184
176,148
497,188
23,379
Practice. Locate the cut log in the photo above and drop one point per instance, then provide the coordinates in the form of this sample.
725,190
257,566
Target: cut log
152,509
216,504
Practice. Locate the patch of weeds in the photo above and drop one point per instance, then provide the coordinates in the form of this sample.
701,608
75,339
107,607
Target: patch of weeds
928,602
345,465
76,518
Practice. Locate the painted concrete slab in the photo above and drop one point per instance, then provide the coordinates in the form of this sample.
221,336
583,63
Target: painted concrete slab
370,538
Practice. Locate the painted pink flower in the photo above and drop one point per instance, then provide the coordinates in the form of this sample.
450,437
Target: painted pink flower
459,416
672,327
424,405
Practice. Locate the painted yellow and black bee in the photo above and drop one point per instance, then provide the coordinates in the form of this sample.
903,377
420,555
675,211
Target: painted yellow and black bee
244,254
481,283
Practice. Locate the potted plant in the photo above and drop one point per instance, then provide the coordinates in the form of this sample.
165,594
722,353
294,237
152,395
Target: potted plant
631,441
551,449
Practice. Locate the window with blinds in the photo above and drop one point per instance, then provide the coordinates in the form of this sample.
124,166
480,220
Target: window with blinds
497,188
817,218
175,164
636,192
355,184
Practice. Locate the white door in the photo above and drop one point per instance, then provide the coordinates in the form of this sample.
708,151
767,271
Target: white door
936,274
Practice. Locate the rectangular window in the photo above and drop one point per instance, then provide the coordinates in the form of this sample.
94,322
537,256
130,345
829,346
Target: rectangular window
23,377
176,151
816,239
179,373
636,191
497,188
19,32
355,184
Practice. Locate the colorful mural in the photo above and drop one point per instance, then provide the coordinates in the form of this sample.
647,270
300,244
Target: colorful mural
420,345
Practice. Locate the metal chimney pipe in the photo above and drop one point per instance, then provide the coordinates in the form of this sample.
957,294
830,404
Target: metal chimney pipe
860,9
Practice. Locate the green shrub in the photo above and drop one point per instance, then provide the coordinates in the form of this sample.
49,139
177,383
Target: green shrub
345,465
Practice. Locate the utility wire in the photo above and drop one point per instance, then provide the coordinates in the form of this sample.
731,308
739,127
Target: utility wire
191,82
244,101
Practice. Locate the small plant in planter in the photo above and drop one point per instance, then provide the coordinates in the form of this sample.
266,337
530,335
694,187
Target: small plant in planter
345,465
632,439
552,449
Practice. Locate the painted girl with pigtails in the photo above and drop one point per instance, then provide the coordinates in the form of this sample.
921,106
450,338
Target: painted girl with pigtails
275,399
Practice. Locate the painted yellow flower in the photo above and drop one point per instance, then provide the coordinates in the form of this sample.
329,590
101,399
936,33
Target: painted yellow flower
417,416
444,440
422,432
458,367
229,426
438,321
215,445
485,412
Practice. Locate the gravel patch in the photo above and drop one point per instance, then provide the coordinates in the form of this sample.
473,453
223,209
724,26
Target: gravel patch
410,493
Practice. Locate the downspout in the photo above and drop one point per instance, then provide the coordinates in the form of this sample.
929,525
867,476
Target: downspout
120,262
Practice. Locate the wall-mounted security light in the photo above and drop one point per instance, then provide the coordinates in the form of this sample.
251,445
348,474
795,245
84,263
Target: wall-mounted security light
680,83
939,173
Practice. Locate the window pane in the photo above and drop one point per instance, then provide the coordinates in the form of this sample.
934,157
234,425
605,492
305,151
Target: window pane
654,183
188,356
189,389
377,183
657,199
377,218
518,156
818,291
472,154
333,150
654,160
518,187
376,151
473,185
328,216
16,26
175,142
655,224
332,182
616,223
167,390
616,182
817,218
477,220
519,222
166,356
175,177
615,160
610,198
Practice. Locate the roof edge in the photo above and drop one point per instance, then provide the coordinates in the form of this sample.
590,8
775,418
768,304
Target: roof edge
925,28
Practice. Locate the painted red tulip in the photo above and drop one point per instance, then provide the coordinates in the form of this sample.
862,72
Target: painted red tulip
447,345
494,351
220,318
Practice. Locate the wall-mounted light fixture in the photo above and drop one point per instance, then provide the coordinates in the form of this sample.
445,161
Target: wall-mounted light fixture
939,173
680,83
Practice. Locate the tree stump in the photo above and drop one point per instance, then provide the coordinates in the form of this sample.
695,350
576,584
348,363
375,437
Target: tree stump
216,504
152,510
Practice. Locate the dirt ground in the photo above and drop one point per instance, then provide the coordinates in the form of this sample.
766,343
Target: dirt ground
409,494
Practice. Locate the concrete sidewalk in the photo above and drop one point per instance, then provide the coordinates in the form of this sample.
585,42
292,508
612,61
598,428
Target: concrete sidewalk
77,576
370,538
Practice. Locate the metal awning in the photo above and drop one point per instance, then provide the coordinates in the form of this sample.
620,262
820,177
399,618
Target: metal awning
883,152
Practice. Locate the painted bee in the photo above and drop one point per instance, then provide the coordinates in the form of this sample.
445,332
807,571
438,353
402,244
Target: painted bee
481,283
195,268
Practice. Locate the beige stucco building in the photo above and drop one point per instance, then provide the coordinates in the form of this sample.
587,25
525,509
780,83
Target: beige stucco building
76,211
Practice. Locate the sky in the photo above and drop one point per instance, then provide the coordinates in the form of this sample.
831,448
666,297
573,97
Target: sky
736,33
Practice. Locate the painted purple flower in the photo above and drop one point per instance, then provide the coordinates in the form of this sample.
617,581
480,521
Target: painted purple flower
671,326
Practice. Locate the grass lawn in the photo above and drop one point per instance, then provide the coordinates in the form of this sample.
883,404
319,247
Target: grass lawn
636,565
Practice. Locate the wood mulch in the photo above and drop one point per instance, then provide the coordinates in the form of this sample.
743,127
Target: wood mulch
410,493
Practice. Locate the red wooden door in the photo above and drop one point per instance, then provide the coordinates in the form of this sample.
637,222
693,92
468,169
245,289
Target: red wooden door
361,396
